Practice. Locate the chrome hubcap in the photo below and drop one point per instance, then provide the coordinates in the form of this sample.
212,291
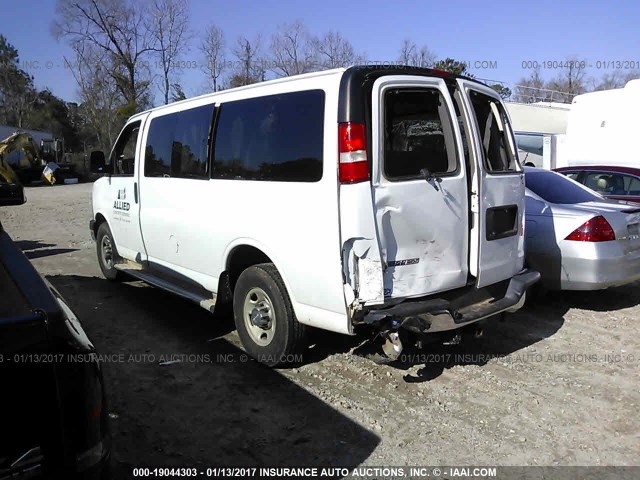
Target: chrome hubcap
259,316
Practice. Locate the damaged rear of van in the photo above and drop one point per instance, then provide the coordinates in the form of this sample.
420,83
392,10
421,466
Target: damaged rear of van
388,196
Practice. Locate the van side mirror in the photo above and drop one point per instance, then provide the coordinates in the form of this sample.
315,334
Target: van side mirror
97,162
11,193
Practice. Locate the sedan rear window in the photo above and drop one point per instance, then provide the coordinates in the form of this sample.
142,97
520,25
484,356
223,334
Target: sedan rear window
555,188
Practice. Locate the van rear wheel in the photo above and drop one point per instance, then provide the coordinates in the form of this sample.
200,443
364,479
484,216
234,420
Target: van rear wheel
264,317
107,253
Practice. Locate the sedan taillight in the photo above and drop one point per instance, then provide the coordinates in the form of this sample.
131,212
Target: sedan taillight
595,230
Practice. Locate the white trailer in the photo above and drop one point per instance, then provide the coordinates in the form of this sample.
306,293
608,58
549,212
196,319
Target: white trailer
603,128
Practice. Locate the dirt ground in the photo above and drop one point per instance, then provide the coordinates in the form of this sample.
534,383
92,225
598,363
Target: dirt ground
557,383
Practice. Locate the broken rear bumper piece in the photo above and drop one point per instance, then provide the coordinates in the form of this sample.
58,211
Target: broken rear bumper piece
455,309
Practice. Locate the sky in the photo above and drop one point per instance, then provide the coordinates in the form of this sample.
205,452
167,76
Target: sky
502,38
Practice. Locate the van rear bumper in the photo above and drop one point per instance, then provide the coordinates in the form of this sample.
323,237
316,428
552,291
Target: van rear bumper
457,308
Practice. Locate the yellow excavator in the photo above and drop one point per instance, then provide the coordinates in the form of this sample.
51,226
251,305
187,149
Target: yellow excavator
28,166
11,191
7,175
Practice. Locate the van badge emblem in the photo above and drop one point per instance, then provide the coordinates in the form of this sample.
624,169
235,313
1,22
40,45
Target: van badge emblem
400,263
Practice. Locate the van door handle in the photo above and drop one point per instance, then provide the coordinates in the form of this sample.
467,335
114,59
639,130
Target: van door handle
431,178
135,191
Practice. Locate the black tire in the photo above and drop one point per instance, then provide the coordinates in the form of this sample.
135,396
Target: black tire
106,259
270,333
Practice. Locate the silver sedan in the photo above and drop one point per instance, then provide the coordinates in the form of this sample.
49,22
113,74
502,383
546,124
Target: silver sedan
577,239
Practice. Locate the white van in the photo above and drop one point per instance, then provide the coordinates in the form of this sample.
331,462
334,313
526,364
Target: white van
368,195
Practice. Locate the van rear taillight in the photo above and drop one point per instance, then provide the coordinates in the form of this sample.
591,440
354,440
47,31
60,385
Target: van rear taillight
353,166
595,230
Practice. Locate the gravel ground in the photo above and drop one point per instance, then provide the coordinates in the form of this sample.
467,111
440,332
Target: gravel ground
557,383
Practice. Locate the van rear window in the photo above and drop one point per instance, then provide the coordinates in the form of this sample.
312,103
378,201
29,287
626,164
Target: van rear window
498,143
418,134
276,138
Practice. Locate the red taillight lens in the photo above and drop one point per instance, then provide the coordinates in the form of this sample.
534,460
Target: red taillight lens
353,164
595,230
352,137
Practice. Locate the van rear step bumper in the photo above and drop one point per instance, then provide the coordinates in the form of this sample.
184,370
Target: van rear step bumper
462,308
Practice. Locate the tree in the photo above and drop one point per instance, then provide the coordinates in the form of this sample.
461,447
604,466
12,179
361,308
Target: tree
452,66
532,89
17,93
503,90
170,22
615,79
291,51
99,117
411,55
118,29
608,81
212,46
51,114
177,93
332,50
250,65
571,80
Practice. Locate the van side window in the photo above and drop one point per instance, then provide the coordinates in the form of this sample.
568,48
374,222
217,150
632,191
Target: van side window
496,136
275,138
418,134
178,144
123,155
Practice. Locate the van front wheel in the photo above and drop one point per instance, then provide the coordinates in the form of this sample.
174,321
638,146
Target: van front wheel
264,317
107,253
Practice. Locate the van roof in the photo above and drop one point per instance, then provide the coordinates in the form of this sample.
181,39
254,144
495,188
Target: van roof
266,83
351,76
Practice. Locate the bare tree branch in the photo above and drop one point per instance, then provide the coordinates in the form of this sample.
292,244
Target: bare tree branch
213,48
332,50
291,51
170,30
614,79
571,80
118,28
411,55
98,93
251,68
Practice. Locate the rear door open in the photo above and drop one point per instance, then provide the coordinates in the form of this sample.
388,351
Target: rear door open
419,183
497,188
